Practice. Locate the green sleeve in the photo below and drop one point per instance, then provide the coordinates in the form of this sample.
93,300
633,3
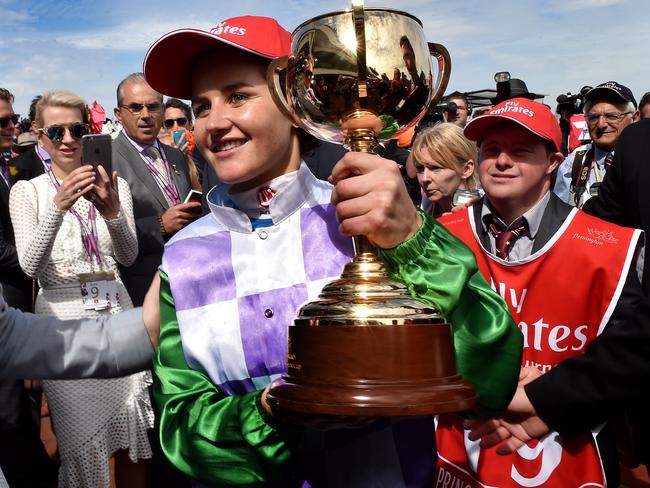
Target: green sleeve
212,437
440,270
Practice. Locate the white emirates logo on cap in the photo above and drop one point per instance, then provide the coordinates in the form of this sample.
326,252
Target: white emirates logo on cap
511,107
223,28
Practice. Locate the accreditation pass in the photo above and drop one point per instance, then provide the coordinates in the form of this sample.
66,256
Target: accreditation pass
98,290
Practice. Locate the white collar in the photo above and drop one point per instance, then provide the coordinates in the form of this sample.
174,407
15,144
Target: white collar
284,204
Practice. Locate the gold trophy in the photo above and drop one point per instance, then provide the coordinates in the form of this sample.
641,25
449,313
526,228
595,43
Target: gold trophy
365,348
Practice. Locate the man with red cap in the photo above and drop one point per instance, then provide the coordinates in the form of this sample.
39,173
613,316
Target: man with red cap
233,280
565,276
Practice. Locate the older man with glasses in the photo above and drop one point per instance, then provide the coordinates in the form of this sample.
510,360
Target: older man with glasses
609,108
157,175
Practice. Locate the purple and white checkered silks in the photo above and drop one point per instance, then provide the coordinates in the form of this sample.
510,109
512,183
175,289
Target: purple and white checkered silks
236,291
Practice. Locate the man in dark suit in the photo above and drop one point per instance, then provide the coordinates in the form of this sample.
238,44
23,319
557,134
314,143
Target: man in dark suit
16,286
158,178
21,450
527,240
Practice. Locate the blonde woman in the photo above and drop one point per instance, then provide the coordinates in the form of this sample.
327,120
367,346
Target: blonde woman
444,161
73,224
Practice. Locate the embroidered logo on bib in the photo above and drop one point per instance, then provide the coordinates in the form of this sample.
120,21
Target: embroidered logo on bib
603,235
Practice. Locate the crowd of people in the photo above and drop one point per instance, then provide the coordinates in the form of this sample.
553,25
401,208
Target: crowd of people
221,218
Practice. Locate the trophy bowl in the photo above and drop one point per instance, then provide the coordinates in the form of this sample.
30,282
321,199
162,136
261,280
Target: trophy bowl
365,347
359,69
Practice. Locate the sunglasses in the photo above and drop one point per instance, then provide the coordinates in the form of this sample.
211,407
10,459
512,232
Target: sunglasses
136,108
57,132
4,121
181,121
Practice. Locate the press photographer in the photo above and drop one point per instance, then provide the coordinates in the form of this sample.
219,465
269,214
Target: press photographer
608,109
455,109
572,121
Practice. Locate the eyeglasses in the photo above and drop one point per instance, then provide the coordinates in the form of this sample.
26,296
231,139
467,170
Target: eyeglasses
136,108
57,132
181,121
611,117
4,121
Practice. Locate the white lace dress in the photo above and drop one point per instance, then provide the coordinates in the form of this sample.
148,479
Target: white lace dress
92,418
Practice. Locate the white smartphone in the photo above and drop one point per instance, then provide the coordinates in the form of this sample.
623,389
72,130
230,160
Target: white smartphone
463,197
193,196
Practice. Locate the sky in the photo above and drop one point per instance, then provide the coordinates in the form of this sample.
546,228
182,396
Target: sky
555,46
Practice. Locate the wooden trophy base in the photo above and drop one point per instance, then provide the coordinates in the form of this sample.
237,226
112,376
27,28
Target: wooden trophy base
371,371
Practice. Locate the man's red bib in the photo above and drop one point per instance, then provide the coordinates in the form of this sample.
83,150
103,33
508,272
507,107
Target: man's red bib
561,297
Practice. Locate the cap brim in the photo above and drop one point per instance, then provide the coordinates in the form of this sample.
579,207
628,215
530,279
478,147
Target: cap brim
602,92
168,62
476,128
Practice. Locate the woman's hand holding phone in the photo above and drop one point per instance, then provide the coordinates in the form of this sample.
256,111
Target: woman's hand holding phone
78,183
104,194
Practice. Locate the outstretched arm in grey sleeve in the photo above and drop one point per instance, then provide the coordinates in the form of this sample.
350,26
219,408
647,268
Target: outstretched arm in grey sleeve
44,347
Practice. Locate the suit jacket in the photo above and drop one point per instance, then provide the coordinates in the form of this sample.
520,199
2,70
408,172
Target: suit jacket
16,285
148,204
28,165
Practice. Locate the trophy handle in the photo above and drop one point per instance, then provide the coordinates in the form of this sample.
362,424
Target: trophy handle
273,72
444,70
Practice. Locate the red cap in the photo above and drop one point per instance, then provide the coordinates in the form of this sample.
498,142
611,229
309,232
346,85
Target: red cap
169,61
531,115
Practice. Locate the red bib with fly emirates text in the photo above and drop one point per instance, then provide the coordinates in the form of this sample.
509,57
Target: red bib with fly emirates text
561,297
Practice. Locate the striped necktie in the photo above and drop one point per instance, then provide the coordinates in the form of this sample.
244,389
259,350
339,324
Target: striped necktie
505,238
4,168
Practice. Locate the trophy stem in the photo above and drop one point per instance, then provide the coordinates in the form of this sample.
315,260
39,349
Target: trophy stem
361,140
363,246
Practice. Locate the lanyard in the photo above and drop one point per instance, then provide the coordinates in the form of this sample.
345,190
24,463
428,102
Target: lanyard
164,181
88,228
44,157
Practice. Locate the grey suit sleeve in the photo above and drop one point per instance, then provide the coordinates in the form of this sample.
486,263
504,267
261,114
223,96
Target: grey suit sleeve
44,347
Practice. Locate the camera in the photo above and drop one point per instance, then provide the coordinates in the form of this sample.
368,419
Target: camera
572,103
446,107
435,115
